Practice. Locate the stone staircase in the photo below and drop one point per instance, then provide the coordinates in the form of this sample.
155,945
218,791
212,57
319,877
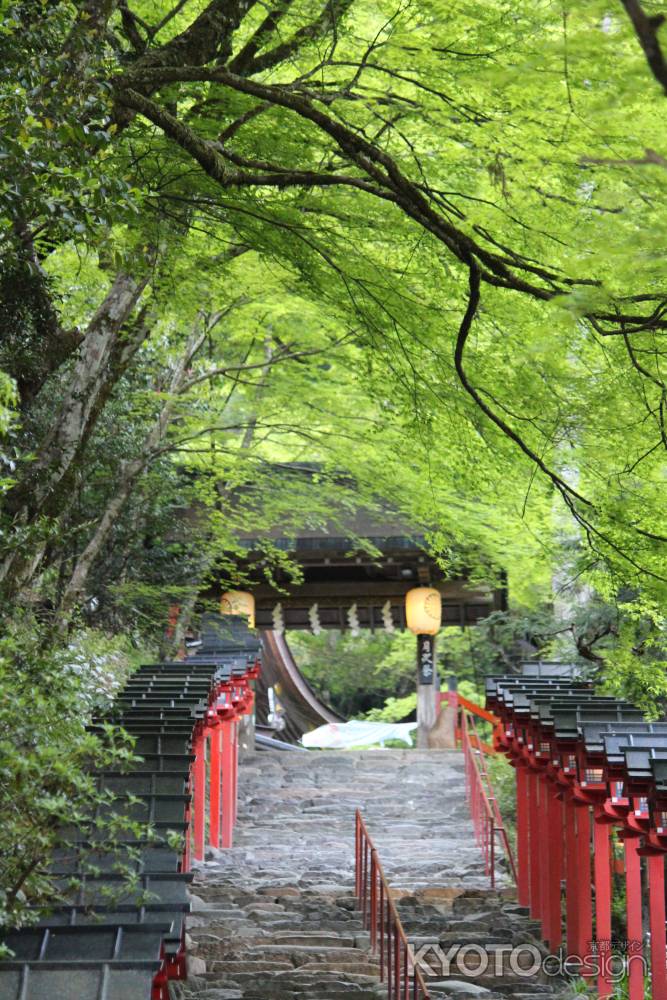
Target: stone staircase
275,918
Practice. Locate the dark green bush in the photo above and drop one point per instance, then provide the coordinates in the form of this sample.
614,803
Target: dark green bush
48,759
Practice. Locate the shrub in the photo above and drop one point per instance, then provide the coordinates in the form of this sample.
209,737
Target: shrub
48,757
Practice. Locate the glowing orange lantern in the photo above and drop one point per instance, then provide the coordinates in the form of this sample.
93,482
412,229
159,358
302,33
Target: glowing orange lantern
238,602
423,610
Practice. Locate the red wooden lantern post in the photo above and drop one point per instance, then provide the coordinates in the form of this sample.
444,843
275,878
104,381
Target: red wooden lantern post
656,882
602,866
199,793
605,767
534,844
215,747
226,712
228,782
590,790
583,895
215,778
655,849
555,868
571,875
522,834
633,889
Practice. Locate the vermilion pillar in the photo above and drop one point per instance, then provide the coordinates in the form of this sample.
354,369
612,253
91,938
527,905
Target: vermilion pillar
215,774
571,911
543,842
200,795
555,864
187,849
235,769
228,782
633,890
534,842
602,868
656,882
584,901
522,834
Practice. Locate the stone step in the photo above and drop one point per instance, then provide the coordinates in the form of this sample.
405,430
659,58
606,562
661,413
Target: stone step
296,925
342,940
332,991
276,917
314,988
217,993
306,950
366,968
322,975
239,967
346,990
498,943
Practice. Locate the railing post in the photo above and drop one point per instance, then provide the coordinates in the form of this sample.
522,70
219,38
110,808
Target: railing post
492,841
373,901
364,883
390,963
357,854
406,973
382,923
484,831
397,963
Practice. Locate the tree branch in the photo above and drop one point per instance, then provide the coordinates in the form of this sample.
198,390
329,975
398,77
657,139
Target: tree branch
646,30
332,10
569,494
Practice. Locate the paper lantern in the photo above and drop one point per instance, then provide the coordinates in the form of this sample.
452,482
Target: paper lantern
423,610
238,602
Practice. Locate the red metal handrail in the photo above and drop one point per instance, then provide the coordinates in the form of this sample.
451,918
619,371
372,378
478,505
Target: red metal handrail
381,919
484,809
475,709
454,698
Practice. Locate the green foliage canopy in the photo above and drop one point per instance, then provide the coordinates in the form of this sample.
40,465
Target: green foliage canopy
415,245
449,190
418,246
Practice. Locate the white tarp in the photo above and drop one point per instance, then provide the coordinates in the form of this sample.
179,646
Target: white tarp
343,735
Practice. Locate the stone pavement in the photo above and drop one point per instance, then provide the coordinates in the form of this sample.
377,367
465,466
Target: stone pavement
274,918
